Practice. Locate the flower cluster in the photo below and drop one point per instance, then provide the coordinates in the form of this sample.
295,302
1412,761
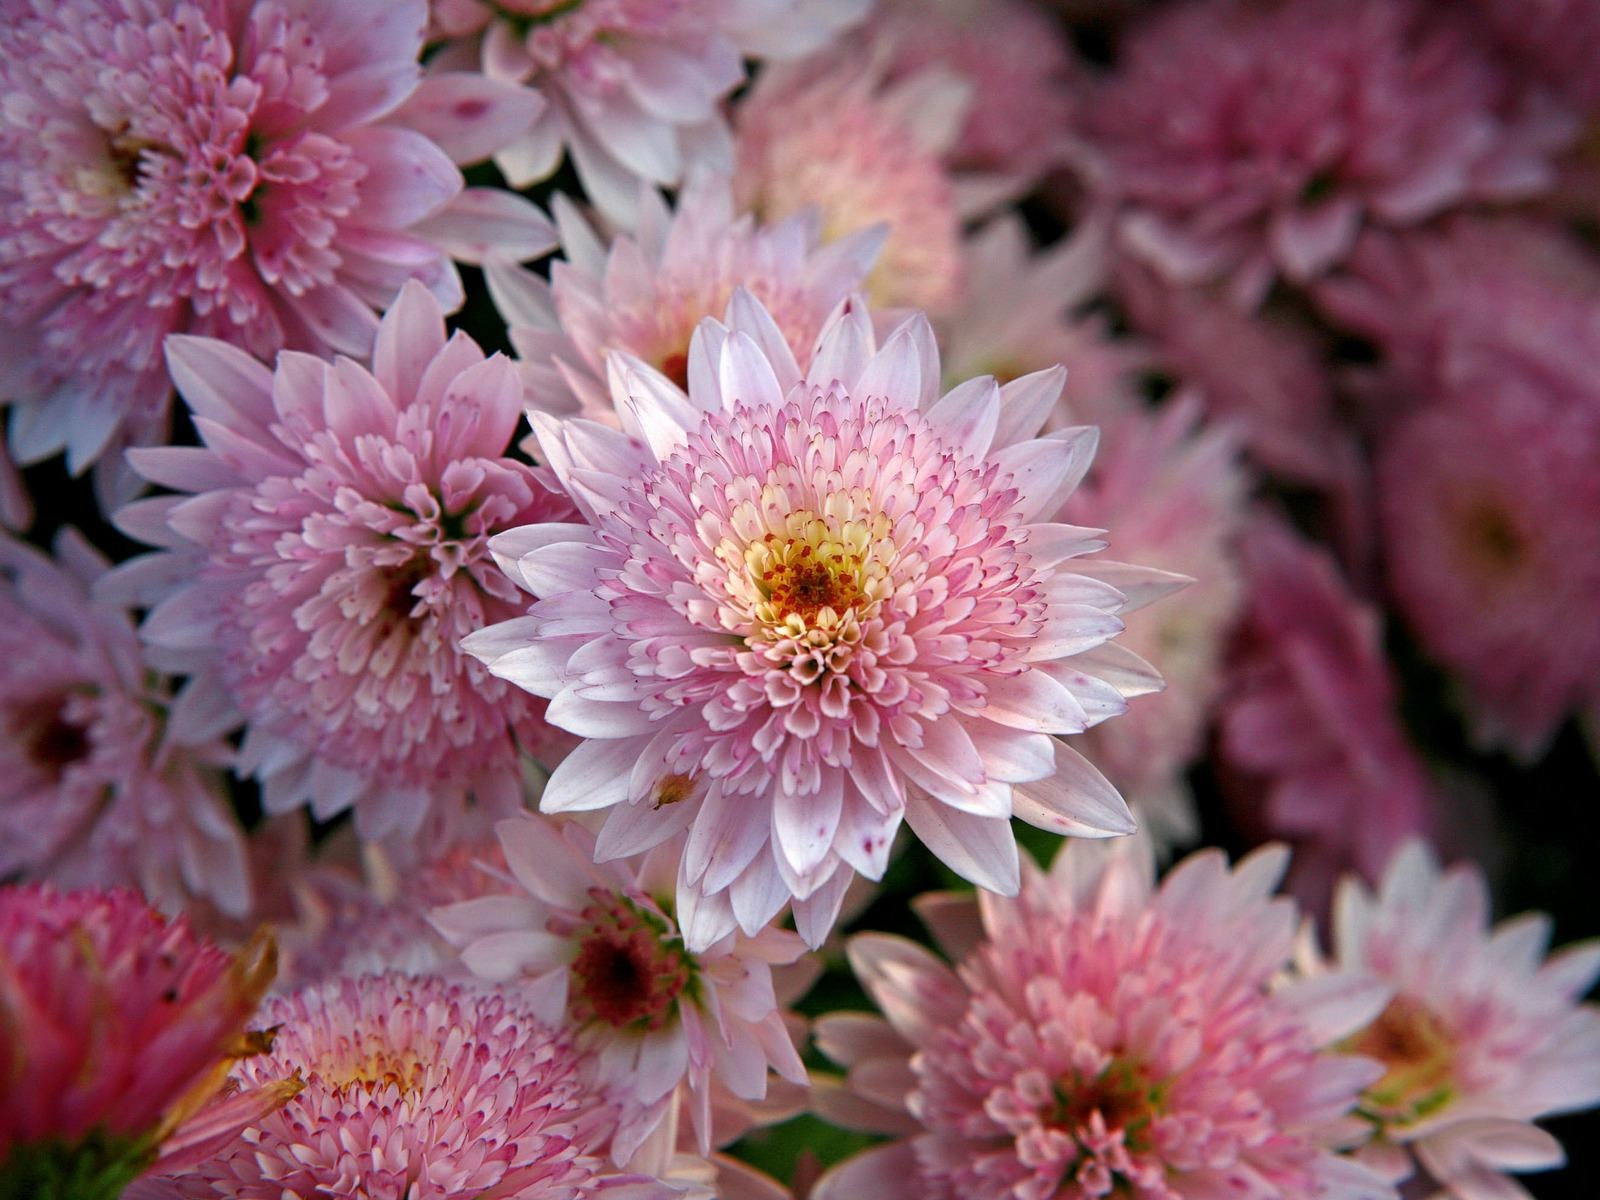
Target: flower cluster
599,505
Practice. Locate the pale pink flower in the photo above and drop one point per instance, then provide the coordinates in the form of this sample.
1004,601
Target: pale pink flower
599,947
116,1027
109,778
647,291
1483,1034
1490,522
1310,732
1301,122
418,1088
1101,1035
1174,492
247,171
333,555
1022,312
805,607
632,88
1026,81
835,135
376,919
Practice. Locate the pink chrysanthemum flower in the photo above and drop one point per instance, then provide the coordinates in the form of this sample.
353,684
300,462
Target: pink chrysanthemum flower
1102,1036
333,555
252,172
834,135
600,948
116,1030
1026,82
109,779
647,292
1490,521
1310,731
1022,312
632,87
1301,122
418,1088
1482,1036
806,607
1174,492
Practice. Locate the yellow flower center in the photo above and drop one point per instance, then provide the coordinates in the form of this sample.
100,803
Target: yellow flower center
1419,1050
807,576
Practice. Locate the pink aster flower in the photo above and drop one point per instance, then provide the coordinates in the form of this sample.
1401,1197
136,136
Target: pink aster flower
331,557
110,778
421,1088
1101,1035
1302,122
1026,81
647,291
833,133
1482,1036
239,170
1310,731
805,607
632,87
1174,492
1022,312
116,1027
600,948
1490,523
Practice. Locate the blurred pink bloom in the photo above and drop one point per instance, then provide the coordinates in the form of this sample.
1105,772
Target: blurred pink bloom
632,88
417,1088
1458,307
109,779
1100,1035
1482,1036
1300,123
333,555
598,947
834,134
806,607
1022,312
246,171
1490,516
1310,732
1173,492
116,1026
1026,82
645,293
1557,42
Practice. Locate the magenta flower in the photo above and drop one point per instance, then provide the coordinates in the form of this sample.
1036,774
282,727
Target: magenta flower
804,608
1302,122
1309,726
647,292
1557,42
1490,521
110,779
632,88
1101,1036
251,172
599,948
1483,1033
115,1030
331,557
1174,493
417,1088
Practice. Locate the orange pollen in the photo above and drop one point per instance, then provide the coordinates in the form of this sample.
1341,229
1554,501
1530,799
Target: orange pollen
672,789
